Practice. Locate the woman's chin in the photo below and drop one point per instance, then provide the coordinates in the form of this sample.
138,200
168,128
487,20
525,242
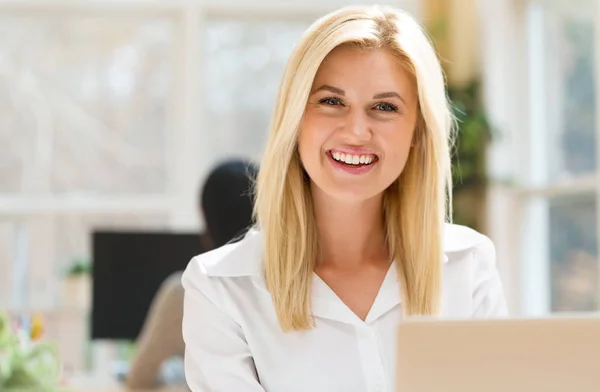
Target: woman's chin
345,192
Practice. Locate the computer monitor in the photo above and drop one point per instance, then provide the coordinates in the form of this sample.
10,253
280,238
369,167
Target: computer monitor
128,269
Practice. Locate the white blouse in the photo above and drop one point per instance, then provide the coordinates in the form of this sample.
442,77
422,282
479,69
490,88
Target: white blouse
234,343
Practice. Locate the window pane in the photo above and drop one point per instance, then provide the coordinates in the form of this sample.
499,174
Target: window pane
83,104
244,66
573,254
570,87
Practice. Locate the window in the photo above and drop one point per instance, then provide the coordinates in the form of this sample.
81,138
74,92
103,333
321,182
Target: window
566,70
540,70
83,107
573,253
244,66
559,136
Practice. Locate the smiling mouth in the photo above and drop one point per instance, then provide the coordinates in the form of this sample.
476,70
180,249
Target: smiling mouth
353,160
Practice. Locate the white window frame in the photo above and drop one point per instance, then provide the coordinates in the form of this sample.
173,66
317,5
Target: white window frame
511,73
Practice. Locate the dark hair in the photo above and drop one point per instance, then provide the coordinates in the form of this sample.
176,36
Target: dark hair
227,201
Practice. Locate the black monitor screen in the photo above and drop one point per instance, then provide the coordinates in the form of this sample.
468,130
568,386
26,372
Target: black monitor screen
128,269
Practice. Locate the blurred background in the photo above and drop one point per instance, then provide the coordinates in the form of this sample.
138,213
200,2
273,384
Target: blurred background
113,112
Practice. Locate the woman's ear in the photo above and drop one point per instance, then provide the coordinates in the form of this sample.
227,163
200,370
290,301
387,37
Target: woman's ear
418,132
416,138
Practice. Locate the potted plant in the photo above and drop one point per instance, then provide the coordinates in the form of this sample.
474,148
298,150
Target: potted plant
26,363
77,285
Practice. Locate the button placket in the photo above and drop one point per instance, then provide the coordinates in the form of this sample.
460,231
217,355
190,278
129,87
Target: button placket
370,354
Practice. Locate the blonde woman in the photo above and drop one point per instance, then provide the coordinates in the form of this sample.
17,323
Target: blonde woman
351,203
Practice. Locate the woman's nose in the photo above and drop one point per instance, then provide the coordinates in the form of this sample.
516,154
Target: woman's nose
358,126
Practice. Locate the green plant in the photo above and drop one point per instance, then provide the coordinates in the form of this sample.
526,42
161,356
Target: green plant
26,364
469,163
474,133
79,267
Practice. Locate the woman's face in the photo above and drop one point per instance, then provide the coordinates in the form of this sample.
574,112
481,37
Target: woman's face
358,126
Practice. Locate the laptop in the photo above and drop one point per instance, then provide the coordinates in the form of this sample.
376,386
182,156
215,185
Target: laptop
558,354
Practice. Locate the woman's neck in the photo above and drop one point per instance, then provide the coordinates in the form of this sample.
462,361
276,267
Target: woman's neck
351,235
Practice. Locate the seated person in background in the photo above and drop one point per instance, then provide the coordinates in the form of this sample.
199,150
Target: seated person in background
226,204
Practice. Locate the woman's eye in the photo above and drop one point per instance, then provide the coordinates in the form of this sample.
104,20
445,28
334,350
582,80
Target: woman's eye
330,101
386,107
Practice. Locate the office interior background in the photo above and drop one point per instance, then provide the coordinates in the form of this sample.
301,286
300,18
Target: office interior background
113,112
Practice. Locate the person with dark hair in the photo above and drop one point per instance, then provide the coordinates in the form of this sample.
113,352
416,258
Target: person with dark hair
225,201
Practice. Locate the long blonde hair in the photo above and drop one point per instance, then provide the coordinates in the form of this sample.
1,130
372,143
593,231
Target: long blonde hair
415,206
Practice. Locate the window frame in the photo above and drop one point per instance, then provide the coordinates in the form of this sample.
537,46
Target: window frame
521,190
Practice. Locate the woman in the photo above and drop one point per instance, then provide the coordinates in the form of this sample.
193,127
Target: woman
226,204
351,202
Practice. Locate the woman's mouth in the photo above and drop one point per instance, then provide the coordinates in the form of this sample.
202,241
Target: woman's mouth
353,159
352,163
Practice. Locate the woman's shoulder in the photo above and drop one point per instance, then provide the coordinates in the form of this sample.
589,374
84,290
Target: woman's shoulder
242,258
460,238
228,279
472,257
462,242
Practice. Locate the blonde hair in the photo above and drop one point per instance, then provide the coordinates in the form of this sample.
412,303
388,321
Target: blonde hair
415,206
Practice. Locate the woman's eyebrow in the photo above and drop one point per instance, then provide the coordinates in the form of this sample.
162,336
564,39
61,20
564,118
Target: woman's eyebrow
390,94
329,88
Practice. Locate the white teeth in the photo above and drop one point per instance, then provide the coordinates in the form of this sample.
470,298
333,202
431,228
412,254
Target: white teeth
352,159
